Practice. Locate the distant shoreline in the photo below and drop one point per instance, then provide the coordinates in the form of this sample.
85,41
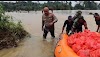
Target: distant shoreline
61,11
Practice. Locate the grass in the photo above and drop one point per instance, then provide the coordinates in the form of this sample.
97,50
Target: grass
10,32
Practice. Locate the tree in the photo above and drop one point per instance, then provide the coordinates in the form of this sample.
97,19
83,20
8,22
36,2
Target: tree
78,6
70,5
94,5
99,6
29,5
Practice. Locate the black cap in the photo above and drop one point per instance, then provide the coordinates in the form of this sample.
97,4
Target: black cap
96,14
79,12
69,17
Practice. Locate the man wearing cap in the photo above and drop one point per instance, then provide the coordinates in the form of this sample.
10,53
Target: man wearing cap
75,19
48,21
69,24
97,20
79,23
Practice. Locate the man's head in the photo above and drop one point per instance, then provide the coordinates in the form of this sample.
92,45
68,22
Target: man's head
79,13
46,10
96,14
70,18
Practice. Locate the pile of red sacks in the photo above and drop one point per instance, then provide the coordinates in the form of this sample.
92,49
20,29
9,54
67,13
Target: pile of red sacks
85,44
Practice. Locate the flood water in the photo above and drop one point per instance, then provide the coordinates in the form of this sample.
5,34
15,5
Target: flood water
35,46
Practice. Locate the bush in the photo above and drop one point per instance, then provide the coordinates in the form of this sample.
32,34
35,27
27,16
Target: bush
10,32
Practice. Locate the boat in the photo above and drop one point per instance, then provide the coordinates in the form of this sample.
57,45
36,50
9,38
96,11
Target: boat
62,49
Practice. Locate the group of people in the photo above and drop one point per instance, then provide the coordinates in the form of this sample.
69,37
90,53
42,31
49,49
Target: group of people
74,24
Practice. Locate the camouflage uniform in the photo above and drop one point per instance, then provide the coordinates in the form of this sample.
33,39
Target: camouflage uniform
76,17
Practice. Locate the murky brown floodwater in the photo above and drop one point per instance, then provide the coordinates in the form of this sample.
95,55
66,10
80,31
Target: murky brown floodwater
34,46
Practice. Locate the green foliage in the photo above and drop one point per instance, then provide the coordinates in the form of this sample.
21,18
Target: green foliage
29,5
90,5
10,32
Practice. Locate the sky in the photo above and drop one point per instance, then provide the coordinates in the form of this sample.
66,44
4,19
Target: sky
73,2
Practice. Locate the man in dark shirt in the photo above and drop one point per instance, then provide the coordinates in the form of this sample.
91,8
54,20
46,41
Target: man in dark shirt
75,19
69,24
97,20
78,20
79,23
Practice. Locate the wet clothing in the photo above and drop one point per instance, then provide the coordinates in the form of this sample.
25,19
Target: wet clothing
75,19
46,20
48,30
49,19
97,21
79,24
69,25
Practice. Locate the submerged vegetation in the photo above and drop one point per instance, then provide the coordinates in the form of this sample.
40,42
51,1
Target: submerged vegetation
10,32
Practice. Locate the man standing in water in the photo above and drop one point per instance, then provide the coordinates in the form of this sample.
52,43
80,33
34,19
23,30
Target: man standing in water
75,19
48,20
69,24
97,20
80,22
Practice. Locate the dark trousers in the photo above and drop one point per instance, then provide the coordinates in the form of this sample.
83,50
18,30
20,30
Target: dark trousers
67,31
46,32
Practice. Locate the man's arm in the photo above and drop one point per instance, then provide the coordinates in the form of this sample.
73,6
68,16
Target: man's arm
64,26
85,25
75,16
54,19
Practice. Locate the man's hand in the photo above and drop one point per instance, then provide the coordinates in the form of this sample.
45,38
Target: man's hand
85,25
